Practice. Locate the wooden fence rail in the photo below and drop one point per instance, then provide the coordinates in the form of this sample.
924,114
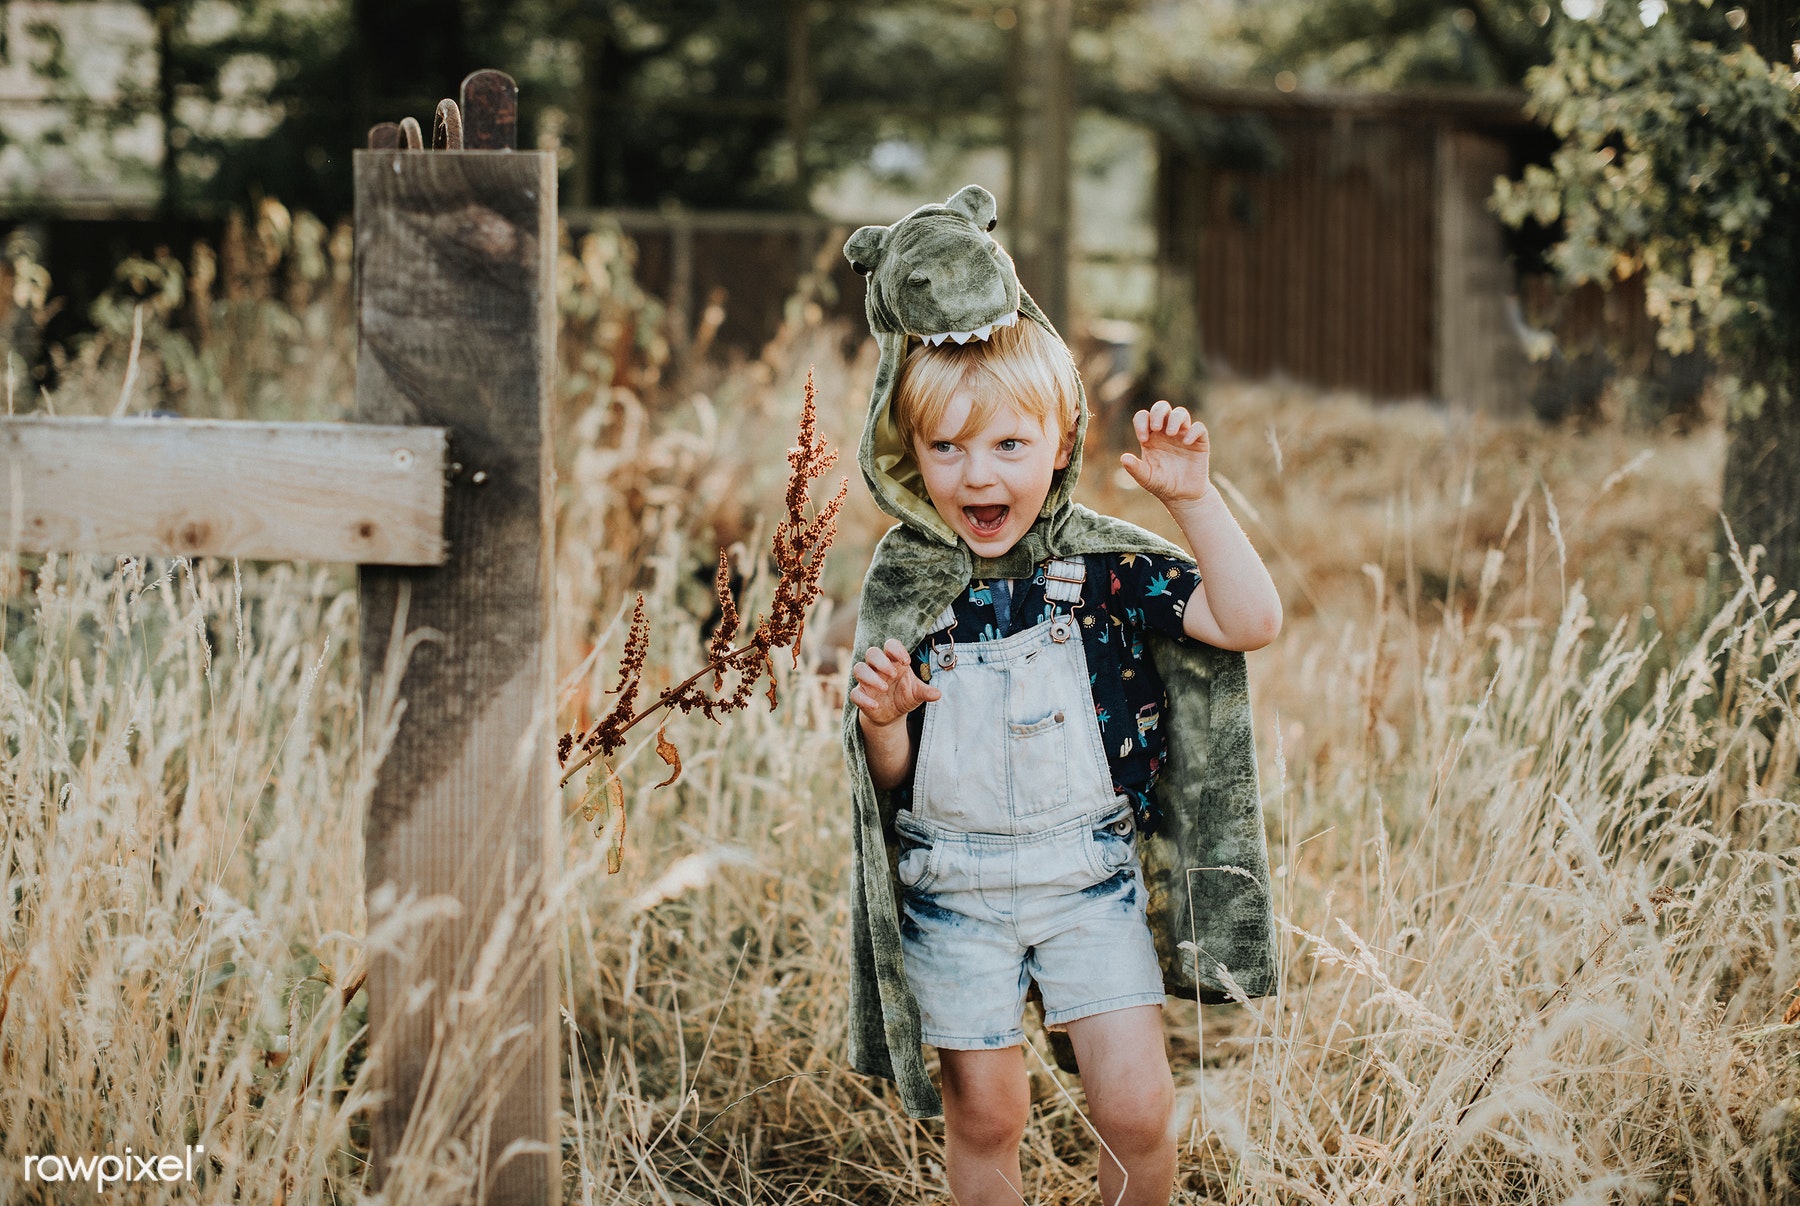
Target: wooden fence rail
218,488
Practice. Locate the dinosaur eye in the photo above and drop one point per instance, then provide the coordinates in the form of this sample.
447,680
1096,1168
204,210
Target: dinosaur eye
993,222
918,278
858,267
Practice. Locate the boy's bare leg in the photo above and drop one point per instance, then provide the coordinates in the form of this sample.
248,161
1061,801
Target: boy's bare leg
1130,1097
986,1102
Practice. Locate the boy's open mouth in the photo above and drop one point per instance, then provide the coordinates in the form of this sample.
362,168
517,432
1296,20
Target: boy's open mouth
987,520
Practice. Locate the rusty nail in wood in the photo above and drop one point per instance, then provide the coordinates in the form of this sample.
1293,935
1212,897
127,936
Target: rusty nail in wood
384,137
446,127
411,135
490,111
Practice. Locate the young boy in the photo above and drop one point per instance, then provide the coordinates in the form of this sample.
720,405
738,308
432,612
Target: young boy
1014,751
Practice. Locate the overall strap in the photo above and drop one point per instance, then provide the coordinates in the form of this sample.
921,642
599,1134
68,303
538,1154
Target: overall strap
943,657
1063,579
1062,584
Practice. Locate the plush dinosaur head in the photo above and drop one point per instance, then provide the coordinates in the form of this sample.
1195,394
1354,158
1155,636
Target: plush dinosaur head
936,275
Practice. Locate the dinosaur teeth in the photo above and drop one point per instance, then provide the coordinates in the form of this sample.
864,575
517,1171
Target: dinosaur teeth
980,333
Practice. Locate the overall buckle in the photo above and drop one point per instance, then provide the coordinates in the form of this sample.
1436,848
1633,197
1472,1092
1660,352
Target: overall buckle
1062,584
943,657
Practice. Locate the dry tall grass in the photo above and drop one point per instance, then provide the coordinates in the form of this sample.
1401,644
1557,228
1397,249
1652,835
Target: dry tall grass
1534,846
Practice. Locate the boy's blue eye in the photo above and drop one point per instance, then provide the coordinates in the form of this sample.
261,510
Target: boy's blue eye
1008,445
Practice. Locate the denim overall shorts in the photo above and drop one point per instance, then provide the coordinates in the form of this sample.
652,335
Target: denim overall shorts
1018,861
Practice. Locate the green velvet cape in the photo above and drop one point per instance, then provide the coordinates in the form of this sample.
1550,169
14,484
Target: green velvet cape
938,271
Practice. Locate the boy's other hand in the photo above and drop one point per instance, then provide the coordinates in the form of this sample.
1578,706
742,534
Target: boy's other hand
887,689
1173,454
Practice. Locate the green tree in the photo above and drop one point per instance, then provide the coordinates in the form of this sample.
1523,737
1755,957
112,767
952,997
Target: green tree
700,102
713,104
1386,44
1680,125
326,73
725,105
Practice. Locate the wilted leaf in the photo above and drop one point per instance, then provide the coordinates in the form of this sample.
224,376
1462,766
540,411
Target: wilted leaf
600,779
604,791
614,829
665,749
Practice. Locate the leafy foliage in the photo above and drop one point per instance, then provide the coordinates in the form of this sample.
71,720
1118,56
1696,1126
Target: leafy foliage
650,102
1384,44
1677,156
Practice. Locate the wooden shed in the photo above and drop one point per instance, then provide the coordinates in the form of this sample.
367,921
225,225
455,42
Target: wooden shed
1361,253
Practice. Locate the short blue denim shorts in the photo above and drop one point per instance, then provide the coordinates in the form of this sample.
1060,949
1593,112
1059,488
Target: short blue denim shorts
982,916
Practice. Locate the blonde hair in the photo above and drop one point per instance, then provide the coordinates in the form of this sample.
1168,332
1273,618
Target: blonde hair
1023,366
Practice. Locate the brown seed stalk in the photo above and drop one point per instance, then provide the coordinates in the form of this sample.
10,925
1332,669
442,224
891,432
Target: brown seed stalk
799,549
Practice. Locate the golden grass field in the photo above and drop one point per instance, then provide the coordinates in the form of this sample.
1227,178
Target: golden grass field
1528,759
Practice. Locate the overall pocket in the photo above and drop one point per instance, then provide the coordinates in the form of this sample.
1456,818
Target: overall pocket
1037,755
1112,844
918,862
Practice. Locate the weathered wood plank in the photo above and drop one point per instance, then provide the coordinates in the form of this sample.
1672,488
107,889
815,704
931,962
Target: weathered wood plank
455,314
222,488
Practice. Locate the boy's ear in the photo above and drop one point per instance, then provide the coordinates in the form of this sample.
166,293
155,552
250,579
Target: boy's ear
864,248
977,205
1066,450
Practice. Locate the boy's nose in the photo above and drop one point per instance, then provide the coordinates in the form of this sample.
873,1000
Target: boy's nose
978,470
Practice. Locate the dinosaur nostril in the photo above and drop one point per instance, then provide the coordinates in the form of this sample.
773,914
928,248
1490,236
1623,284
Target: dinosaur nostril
918,278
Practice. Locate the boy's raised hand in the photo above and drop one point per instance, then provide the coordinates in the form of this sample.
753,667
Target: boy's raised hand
887,689
1173,454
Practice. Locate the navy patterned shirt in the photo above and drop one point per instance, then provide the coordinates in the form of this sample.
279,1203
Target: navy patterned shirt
1124,593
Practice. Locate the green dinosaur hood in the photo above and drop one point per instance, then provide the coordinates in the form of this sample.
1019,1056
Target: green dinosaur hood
938,275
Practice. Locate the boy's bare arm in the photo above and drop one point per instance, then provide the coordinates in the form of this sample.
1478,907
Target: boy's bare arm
886,691
1243,610
1236,605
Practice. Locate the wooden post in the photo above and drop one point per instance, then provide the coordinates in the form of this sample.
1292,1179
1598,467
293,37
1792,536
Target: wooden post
456,323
